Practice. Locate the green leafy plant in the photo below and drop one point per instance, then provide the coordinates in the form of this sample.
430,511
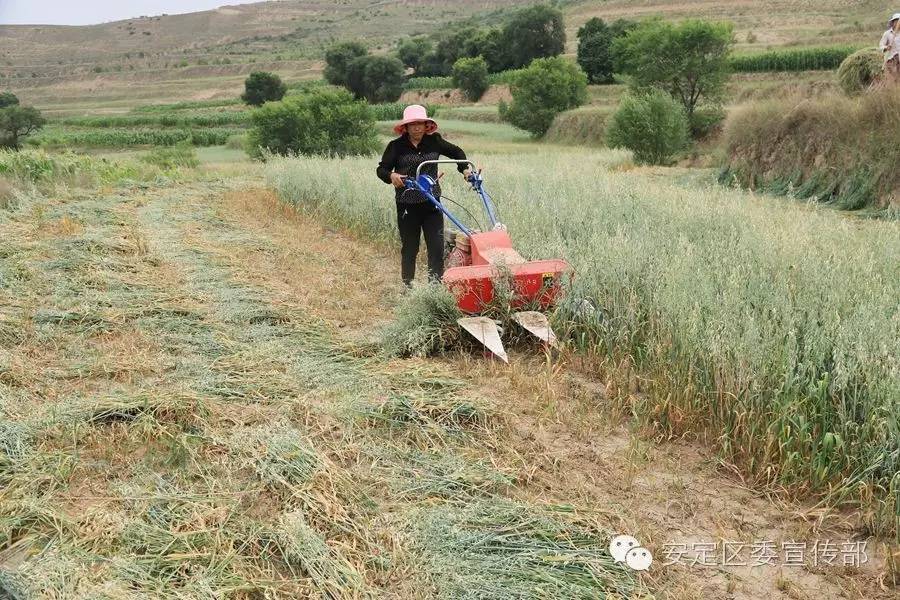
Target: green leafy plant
653,126
546,88
471,76
323,122
261,87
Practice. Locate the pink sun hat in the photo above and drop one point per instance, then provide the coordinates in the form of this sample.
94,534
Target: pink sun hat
413,113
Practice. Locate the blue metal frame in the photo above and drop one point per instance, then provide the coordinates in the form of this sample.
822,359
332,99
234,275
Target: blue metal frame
424,184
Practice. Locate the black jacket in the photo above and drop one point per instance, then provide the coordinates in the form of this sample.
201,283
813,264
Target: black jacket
402,157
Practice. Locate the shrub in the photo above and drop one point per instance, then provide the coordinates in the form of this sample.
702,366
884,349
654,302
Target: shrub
531,33
261,87
17,122
653,126
180,155
542,91
322,122
860,70
594,57
337,59
8,99
375,78
412,51
706,121
471,76
696,67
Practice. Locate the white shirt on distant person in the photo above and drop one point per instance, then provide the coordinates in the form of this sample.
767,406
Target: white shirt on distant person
890,44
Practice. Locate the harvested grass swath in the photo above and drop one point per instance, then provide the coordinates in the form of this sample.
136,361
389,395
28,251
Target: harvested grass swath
162,406
429,474
502,550
305,552
425,323
449,413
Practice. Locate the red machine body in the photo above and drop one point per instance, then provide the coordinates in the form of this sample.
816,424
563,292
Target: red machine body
535,282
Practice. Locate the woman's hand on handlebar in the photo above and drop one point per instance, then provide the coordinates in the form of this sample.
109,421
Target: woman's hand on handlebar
397,180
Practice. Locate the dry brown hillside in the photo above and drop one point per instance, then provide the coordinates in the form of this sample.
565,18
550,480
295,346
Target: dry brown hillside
207,54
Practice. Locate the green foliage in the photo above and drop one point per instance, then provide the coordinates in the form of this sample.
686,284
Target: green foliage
17,122
8,99
37,166
860,70
437,83
706,121
798,59
180,119
261,87
120,138
653,126
187,105
338,58
594,58
688,60
322,122
471,76
392,111
412,50
375,78
543,90
533,32
466,42
595,39
180,155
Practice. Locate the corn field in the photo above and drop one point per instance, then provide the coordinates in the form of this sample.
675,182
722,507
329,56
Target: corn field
117,138
437,83
771,329
172,119
799,59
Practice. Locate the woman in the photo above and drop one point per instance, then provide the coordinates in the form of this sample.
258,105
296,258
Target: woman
890,46
418,142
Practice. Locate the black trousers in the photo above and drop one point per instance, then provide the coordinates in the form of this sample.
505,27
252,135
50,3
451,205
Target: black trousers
412,221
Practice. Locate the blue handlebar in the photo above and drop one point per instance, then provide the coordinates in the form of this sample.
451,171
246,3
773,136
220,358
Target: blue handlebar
424,184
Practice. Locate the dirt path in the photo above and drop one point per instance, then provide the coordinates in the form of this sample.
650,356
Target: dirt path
190,406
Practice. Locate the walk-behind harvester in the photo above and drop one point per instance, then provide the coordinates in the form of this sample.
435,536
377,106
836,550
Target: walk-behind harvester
482,259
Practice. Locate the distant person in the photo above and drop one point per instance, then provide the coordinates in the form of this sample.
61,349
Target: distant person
418,142
890,47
